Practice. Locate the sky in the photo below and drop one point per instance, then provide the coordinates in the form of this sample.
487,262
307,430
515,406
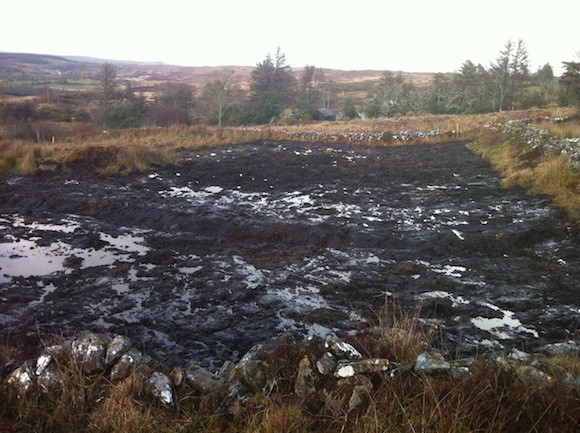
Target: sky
402,35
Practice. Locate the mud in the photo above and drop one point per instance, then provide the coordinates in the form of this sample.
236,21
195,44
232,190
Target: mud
240,244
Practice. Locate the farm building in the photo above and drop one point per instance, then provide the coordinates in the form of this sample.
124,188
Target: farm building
324,114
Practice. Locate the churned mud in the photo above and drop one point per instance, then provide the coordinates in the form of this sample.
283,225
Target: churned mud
240,244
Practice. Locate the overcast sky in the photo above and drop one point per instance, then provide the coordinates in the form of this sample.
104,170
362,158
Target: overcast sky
407,35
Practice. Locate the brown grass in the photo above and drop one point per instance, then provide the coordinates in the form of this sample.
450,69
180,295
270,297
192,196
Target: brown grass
540,174
488,400
128,151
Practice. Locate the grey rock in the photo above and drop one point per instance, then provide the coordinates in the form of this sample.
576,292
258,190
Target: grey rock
570,380
41,363
346,368
458,372
565,348
116,349
251,369
532,376
125,366
431,363
159,387
341,349
236,395
326,365
9,367
202,380
226,369
91,350
50,378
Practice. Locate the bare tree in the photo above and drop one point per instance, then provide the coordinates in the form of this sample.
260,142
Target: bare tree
218,94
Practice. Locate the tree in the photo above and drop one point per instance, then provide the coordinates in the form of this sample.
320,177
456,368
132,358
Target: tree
179,96
218,95
545,74
500,72
570,83
107,84
309,91
349,109
519,71
391,95
510,72
273,87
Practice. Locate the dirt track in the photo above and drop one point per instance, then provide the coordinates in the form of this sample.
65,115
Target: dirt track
239,244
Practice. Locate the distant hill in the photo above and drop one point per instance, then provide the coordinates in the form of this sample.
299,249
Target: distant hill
85,59
44,69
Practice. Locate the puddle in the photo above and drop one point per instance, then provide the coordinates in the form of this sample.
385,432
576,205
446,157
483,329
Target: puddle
26,257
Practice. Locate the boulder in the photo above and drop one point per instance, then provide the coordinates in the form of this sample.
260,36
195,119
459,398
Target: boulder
226,369
41,363
160,388
126,364
202,380
251,369
116,349
50,378
431,363
91,351
341,349
326,365
346,368
532,376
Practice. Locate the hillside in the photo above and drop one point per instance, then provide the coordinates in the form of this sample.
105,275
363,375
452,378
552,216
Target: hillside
49,70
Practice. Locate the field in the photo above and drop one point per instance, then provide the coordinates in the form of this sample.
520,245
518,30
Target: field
199,242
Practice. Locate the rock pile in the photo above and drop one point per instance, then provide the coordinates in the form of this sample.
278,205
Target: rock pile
342,376
541,143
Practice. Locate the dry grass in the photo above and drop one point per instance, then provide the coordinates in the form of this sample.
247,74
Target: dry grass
540,174
488,400
128,151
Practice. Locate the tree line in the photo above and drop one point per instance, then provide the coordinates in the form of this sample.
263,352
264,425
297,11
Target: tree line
276,92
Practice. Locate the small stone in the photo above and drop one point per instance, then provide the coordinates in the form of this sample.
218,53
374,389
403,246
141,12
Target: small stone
116,349
202,380
91,350
431,363
159,387
304,381
351,368
124,367
341,349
